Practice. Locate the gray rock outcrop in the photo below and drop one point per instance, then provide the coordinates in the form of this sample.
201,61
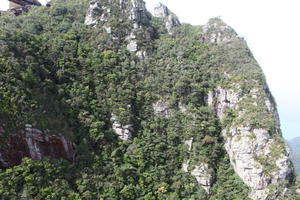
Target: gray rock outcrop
217,31
204,176
97,12
134,11
202,172
162,108
124,132
253,152
224,99
189,143
170,19
139,14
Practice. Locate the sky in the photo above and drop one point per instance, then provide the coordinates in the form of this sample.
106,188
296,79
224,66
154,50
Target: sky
271,29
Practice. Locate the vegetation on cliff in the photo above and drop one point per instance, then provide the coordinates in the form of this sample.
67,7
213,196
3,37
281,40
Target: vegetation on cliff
58,74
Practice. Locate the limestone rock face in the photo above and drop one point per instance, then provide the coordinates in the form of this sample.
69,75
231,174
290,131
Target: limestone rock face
182,107
170,19
133,11
252,151
140,17
189,143
223,99
162,108
185,166
202,172
132,45
96,13
139,14
124,132
204,176
217,31
34,144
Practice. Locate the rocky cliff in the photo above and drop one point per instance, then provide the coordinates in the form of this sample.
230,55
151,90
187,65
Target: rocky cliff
170,19
35,144
153,108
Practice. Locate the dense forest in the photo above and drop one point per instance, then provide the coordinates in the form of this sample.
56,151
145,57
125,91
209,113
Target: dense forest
74,80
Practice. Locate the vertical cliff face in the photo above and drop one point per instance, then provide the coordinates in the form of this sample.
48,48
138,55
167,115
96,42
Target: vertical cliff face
35,144
252,133
257,154
170,19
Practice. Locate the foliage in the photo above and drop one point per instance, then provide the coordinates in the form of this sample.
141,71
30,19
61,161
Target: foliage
56,73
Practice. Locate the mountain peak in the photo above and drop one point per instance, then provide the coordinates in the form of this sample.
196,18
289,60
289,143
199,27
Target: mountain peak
170,19
160,10
216,30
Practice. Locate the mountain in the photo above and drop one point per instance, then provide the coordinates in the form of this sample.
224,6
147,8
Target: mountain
102,100
294,145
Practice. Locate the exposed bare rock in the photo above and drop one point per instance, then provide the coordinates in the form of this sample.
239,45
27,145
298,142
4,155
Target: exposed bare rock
223,99
141,54
170,19
242,147
204,176
124,132
202,172
182,107
132,45
162,108
34,144
107,29
140,17
189,143
217,31
185,166
134,11
97,13
139,14
210,99
251,149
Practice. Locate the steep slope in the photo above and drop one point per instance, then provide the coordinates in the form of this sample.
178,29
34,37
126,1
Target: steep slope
252,131
294,145
153,108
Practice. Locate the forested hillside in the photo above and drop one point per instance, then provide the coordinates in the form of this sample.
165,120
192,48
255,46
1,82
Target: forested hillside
152,108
